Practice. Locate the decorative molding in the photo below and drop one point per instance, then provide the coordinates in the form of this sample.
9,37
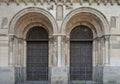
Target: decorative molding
17,2
113,22
53,38
65,38
59,12
68,6
90,2
36,10
51,7
104,28
4,22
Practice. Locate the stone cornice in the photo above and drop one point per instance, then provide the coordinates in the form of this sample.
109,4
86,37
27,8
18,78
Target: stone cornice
90,2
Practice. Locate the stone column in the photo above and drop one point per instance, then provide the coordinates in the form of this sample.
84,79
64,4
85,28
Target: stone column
65,50
102,42
107,50
53,49
59,51
11,39
99,50
99,46
98,59
59,74
21,59
107,67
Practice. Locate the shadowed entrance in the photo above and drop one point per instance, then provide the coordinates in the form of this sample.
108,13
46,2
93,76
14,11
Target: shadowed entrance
37,54
81,54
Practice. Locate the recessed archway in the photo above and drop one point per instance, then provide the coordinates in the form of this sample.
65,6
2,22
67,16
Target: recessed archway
20,25
81,38
32,15
37,54
99,26
87,15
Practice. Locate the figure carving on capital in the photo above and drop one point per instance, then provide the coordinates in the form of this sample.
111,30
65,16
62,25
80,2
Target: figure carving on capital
107,37
4,22
65,39
53,39
11,37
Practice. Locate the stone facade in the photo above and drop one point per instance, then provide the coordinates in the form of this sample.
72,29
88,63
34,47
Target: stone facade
59,17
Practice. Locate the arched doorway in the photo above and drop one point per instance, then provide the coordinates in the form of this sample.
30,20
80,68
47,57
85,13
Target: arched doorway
99,26
37,54
23,39
81,53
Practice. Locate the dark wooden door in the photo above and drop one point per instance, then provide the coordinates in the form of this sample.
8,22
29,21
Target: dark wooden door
37,55
81,61
37,61
81,53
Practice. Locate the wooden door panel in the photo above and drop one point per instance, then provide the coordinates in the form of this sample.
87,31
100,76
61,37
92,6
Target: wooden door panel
81,60
37,61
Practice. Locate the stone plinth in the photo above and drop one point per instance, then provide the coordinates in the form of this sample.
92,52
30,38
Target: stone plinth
7,75
111,75
59,75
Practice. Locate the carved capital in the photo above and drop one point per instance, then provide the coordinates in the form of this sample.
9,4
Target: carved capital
105,2
107,37
11,37
53,39
98,38
98,2
65,39
68,7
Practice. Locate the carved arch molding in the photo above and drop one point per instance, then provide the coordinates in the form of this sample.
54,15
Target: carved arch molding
30,17
19,26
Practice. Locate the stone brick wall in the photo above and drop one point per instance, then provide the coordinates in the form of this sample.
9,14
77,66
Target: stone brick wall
109,41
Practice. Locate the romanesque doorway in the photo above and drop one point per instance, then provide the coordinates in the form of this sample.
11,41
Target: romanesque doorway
37,54
81,54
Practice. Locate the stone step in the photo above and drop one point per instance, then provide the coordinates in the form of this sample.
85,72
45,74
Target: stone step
34,82
84,82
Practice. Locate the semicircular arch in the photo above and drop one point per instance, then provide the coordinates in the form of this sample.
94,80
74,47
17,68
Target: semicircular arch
85,16
32,15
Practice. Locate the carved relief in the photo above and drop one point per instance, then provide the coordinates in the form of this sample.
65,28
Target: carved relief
113,22
59,12
98,2
112,2
65,39
4,22
118,1
105,2
68,6
51,7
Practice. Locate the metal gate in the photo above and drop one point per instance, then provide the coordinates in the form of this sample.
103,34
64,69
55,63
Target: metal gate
81,54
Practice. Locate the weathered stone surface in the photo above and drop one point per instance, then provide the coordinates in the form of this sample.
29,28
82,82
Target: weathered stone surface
7,75
111,75
16,20
59,75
